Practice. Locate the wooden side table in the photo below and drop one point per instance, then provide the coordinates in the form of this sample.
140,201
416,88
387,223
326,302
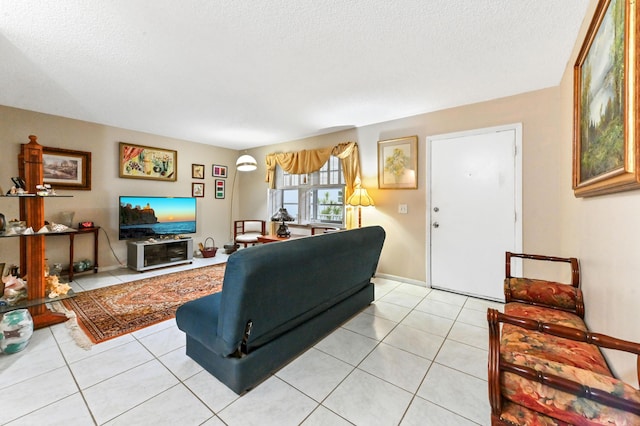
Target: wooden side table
272,238
72,235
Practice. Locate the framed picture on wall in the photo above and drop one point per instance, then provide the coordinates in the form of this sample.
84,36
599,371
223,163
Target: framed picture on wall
220,188
219,171
66,169
197,189
145,162
197,171
605,125
398,163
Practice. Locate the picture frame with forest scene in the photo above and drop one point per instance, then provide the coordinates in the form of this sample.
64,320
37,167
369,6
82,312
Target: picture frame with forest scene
606,158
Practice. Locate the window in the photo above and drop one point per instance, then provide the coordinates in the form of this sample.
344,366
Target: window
312,198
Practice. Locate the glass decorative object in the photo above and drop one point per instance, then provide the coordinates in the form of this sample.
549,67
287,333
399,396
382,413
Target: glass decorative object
57,269
16,329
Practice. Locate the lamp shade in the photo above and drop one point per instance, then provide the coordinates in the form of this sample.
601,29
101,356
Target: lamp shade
282,215
360,198
246,163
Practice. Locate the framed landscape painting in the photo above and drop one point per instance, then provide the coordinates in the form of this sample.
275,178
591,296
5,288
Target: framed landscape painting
66,169
605,142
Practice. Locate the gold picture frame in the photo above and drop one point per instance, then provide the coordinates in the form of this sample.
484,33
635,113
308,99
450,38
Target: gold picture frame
145,162
66,168
398,163
605,131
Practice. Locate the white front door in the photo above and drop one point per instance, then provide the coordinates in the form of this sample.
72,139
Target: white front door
474,209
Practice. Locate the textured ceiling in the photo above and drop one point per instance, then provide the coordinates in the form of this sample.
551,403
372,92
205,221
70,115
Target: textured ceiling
247,73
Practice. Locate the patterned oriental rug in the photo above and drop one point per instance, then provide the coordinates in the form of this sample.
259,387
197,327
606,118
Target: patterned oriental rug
109,312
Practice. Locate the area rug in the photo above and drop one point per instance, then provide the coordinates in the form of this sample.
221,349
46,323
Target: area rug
112,311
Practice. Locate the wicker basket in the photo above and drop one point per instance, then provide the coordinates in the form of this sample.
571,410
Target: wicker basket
208,250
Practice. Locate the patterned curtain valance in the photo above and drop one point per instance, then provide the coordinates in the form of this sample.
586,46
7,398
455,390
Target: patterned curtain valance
308,161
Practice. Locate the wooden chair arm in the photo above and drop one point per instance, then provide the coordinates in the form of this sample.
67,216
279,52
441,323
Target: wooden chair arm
493,374
572,387
575,267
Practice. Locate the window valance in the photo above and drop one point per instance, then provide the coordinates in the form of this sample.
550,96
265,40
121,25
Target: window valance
308,161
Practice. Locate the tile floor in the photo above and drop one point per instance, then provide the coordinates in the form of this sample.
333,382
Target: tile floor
416,356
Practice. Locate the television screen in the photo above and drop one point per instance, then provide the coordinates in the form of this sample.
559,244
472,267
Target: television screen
148,217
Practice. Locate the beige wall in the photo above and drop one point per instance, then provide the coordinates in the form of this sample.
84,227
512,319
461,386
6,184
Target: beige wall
404,253
101,203
603,232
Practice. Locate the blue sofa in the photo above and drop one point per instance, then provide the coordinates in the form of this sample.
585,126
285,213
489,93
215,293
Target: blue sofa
277,300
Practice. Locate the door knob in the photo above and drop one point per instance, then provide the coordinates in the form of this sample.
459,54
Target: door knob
436,225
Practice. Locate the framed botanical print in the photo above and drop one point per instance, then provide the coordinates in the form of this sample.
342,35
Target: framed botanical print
398,163
197,171
197,189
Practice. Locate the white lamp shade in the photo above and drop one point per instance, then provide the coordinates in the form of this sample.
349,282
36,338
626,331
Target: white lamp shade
360,198
246,163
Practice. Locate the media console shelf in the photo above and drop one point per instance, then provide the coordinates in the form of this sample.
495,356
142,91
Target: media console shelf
144,255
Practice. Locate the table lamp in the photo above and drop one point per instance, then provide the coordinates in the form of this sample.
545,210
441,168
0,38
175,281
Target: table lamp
360,198
282,216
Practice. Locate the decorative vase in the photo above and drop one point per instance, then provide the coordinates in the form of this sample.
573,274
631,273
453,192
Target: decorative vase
66,218
57,269
16,329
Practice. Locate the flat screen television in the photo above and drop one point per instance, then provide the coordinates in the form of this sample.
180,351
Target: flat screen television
148,217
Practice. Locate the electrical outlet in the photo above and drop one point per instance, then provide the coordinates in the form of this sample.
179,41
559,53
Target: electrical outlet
402,208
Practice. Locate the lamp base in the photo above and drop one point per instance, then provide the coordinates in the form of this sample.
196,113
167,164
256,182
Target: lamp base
283,231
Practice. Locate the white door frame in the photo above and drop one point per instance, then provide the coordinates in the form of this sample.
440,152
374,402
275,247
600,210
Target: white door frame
517,127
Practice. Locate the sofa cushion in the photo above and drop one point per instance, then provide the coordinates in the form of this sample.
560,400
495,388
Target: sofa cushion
562,405
541,291
516,340
250,237
548,315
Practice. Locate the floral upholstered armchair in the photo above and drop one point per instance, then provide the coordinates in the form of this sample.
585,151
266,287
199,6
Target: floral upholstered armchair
545,366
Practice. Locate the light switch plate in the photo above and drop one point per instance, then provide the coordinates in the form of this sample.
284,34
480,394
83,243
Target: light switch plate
403,209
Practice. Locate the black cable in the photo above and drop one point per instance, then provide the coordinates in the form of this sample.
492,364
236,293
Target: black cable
110,247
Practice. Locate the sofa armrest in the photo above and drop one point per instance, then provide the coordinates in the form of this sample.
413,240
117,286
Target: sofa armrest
550,294
609,394
575,267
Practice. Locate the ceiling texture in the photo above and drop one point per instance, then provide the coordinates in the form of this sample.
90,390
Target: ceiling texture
247,73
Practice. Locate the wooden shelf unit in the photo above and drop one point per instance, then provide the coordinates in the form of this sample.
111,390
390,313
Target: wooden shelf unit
32,247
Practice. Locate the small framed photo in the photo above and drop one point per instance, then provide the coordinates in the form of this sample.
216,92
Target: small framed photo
197,171
398,163
220,184
219,171
197,189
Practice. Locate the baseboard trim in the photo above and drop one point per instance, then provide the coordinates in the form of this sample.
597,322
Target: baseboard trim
402,279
